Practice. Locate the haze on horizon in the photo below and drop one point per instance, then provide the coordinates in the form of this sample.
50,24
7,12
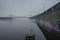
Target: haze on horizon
26,8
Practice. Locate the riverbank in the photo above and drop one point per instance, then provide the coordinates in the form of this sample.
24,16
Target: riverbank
49,35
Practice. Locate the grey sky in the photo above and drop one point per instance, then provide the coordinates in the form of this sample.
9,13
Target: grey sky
25,7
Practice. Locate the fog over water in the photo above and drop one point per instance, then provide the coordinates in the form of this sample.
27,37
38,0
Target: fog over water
19,27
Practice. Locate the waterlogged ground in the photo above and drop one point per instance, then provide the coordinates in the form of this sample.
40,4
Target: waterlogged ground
16,29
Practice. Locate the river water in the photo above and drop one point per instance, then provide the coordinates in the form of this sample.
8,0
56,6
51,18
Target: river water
16,29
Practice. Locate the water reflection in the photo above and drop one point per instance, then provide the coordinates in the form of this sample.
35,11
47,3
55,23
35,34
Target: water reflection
18,28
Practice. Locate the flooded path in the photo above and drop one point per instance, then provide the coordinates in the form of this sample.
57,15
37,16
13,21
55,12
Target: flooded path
16,29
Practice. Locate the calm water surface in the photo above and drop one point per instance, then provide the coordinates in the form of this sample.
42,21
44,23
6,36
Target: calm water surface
18,28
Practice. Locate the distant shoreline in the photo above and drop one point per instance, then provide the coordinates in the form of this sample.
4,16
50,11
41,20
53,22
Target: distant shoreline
5,17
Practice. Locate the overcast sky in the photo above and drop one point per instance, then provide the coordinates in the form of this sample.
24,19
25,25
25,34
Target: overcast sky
25,7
